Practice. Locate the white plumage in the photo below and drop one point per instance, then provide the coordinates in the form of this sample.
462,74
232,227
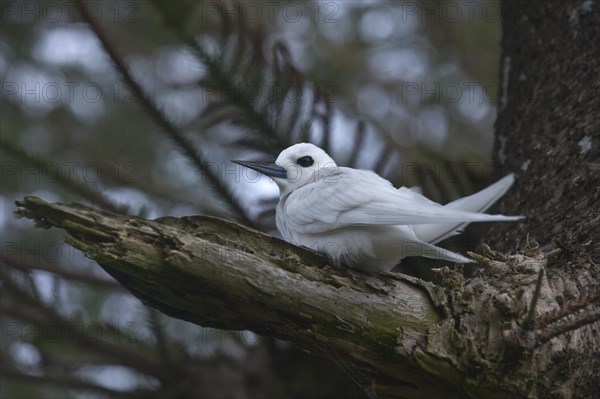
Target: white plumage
360,219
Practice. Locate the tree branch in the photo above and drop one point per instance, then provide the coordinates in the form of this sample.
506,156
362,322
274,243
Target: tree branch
408,337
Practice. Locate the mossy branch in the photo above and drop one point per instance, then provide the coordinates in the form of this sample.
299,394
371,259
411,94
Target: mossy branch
408,337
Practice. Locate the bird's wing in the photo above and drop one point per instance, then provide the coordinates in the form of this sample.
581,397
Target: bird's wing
478,202
350,197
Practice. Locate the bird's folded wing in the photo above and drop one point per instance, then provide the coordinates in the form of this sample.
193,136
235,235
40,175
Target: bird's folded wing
478,202
350,197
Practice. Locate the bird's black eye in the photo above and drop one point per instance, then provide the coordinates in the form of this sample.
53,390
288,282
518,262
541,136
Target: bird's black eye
305,161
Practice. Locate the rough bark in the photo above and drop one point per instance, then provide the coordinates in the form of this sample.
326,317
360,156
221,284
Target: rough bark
411,339
547,132
548,126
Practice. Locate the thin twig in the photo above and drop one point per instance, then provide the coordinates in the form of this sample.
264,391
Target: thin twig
232,93
529,323
28,309
359,138
568,308
383,159
63,272
585,318
66,380
68,182
182,142
160,336
137,358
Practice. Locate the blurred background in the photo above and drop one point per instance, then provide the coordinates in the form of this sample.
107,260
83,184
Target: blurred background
137,107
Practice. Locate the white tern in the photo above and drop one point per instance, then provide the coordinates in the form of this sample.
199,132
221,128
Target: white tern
360,219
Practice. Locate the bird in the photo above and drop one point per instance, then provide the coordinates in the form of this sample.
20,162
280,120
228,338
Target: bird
359,219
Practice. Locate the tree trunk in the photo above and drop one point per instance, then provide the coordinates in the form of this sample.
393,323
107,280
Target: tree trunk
548,133
548,126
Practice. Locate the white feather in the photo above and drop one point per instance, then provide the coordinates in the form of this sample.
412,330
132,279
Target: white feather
478,202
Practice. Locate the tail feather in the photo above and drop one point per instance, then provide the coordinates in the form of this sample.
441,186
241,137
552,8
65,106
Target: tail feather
435,252
478,202
482,200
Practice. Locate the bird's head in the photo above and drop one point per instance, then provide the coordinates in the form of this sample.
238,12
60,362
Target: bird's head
295,166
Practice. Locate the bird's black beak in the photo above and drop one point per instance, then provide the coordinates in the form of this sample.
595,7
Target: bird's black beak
268,169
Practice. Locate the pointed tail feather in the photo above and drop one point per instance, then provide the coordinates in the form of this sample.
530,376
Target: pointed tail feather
435,252
478,202
482,200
